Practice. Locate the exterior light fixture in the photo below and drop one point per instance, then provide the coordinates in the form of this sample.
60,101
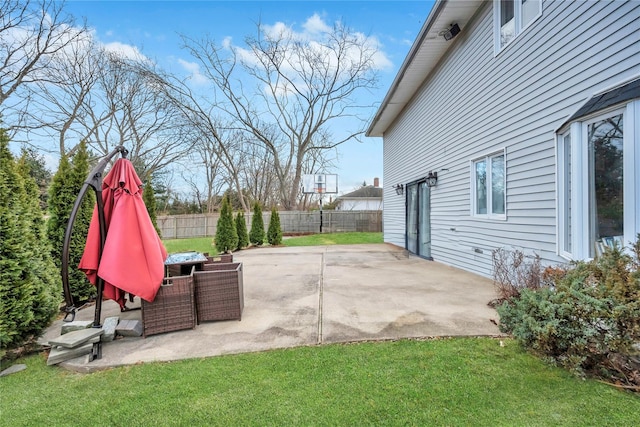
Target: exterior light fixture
399,189
432,179
451,32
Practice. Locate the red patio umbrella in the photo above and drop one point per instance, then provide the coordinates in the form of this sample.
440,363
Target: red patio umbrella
132,258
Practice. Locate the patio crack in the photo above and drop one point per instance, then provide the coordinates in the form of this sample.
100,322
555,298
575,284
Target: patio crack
321,296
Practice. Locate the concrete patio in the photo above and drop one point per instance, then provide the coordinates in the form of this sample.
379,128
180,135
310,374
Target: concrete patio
315,295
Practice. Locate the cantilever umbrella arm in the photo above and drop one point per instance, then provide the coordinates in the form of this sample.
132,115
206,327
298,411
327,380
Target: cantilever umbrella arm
94,180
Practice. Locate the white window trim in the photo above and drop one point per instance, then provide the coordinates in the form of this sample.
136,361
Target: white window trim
580,218
517,17
577,169
631,166
561,192
473,197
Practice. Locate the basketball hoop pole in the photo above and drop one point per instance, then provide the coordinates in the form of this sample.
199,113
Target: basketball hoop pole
320,212
320,183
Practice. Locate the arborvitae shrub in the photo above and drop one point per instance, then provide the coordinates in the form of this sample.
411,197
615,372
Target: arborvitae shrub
226,235
64,190
256,236
241,228
81,288
29,281
274,234
149,198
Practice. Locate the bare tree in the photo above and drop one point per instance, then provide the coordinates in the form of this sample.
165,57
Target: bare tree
31,33
144,121
59,107
208,181
256,171
216,138
105,99
298,89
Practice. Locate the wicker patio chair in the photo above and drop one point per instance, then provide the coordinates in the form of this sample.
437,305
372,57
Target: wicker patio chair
173,308
219,292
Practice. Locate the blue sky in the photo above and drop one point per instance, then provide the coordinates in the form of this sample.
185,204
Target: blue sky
154,28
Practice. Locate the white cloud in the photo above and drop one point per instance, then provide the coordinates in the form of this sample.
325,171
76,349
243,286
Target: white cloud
194,70
278,30
313,34
380,59
125,50
109,33
315,25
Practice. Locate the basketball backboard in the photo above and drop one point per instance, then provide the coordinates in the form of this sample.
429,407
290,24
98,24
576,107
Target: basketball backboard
320,183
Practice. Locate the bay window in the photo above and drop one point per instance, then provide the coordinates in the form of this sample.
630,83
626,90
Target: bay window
598,183
606,204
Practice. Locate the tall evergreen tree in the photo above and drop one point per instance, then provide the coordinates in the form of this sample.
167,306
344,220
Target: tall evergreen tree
64,190
39,172
274,233
60,197
28,283
241,228
256,236
81,288
47,284
226,235
149,198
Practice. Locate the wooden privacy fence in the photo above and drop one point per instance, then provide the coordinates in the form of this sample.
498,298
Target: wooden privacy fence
203,225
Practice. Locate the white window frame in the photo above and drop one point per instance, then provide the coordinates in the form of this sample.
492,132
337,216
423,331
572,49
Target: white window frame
517,15
564,193
580,214
488,158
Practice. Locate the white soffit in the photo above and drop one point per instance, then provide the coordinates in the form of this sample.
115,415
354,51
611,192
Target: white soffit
422,58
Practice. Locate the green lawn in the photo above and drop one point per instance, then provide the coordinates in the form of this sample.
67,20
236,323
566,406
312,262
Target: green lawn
334,239
198,244
472,381
205,244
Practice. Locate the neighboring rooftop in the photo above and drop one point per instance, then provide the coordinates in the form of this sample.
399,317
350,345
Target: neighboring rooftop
366,192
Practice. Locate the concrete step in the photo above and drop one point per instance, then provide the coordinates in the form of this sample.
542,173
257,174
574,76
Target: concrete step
76,325
60,354
75,338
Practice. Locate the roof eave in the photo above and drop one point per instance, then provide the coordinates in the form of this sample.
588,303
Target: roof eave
428,49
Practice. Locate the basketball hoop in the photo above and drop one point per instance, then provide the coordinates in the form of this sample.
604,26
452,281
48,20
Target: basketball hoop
320,184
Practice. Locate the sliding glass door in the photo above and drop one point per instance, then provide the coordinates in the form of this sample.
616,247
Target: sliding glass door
418,234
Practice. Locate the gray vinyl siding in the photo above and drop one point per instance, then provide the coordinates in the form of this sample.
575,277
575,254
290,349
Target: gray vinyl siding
477,103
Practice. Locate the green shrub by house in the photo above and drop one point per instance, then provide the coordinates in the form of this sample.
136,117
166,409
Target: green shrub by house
588,320
226,239
65,187
241,228
274,233
256,236
29,282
